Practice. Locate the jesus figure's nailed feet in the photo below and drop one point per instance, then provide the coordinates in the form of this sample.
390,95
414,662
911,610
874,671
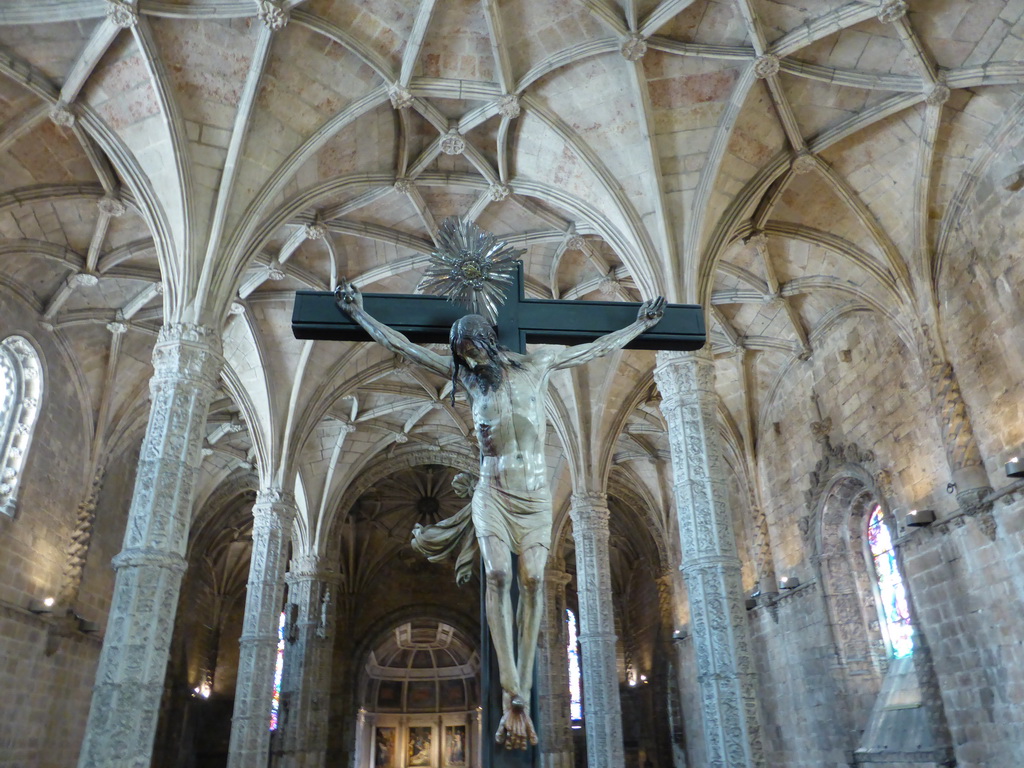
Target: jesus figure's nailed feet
515,730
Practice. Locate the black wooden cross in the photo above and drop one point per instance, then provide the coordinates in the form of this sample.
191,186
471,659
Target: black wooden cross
521,321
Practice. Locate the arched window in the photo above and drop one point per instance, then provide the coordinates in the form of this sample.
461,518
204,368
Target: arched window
21,390
892,594
575,693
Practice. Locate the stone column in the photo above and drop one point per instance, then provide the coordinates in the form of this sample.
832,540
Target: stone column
130,677
306,682
554,725
711,567
601,709
273,515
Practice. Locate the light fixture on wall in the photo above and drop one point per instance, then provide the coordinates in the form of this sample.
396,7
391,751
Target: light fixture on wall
42,606
919,518
1015,467
789,582
89,627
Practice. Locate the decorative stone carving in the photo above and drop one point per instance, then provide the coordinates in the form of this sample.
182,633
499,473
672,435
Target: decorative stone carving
499,192
130,677
589,513
275,273
634,47
938,95
236,308
766,65
61,115
711,567
273,515
85,279
315,231
508,106
891,11
78,549
400,97
609,285
123,13
833,457
272,14
452,143
117,328
576,243
804,163
403,186
111,206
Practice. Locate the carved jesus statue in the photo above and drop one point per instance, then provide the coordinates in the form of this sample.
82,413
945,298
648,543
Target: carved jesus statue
511,505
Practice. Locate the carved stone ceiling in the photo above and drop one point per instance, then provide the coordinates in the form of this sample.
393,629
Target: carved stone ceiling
784,162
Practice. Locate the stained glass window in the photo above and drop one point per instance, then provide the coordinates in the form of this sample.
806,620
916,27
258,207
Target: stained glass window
275,706
891,590
575,694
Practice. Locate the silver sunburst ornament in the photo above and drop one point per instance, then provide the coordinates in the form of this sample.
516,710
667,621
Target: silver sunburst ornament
471,267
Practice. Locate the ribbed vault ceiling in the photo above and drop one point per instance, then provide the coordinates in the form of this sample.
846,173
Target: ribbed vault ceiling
784,162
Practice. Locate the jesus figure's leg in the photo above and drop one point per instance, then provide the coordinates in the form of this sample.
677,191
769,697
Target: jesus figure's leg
497,566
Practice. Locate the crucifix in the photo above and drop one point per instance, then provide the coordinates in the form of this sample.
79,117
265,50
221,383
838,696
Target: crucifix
506,387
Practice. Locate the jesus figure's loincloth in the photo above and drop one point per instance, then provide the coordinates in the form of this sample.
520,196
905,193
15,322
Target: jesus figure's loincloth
519,521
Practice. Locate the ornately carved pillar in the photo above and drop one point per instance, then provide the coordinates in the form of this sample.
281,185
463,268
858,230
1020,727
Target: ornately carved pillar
711,567
130,677
273,514
962,450
602,711
306,682
554,724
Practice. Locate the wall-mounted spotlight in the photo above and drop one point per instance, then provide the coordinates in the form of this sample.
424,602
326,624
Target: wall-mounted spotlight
42,606
789,582
918,518
1015,467
89,627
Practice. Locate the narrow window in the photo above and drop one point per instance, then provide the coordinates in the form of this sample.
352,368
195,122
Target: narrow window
275,704
891,591
21,391
575,695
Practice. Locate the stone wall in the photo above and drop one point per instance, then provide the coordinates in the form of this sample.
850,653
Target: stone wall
966,587
48,665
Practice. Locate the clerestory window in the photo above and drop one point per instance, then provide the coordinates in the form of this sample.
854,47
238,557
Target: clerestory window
21,391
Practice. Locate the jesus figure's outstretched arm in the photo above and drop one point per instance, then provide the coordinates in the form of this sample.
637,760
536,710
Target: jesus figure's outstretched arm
350,301
647,317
